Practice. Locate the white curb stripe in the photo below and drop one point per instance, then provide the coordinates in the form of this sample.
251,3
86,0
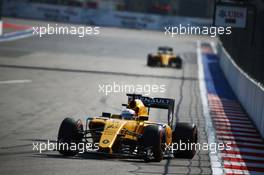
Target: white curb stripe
214,158
16,35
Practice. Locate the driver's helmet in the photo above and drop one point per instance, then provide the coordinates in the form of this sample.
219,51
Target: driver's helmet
128,114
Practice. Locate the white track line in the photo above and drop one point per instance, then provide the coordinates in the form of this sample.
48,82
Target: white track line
215,159
231,121
228,128
236,132
244,164
241,156
231,118
234,125
16,35
241,138
15,81
242,172
243,143
247,150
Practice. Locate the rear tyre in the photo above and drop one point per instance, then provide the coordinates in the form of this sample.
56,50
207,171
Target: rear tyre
70,132
178,63
158,64
153,137
151,62
185,134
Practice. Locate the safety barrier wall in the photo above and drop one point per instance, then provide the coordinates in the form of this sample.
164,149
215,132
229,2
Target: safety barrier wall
99,17
248,91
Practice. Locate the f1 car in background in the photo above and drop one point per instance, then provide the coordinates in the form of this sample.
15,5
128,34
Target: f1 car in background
132,134
164,58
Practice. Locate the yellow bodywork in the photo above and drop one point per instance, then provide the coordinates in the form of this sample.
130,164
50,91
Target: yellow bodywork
127,129
165,58
138,106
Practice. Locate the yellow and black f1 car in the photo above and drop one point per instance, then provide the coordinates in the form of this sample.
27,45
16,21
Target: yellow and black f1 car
164,58
131,135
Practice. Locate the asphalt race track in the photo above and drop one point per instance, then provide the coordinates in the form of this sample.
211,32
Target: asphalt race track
59,76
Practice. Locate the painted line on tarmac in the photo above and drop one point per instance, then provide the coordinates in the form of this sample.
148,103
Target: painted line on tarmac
16,26
238,148
241,146
233,159
215,159
245,167
229,120
15,81
236,132
238,135
23,31
105,73
16,35
229,129
247,153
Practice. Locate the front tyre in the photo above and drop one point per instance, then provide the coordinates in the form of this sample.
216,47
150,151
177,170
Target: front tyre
178,62
70,132
150,61
152,138
185,134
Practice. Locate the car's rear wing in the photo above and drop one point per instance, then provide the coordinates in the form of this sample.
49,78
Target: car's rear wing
162,103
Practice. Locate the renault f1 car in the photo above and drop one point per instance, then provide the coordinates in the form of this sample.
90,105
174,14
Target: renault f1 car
135,137
164,58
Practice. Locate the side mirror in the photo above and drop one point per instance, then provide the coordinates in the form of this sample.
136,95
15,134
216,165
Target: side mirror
116,116
106,114
142,118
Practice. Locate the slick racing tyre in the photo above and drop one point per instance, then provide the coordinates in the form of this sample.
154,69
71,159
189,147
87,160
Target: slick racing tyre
176,62
153,138
151,61
185,134
70,132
